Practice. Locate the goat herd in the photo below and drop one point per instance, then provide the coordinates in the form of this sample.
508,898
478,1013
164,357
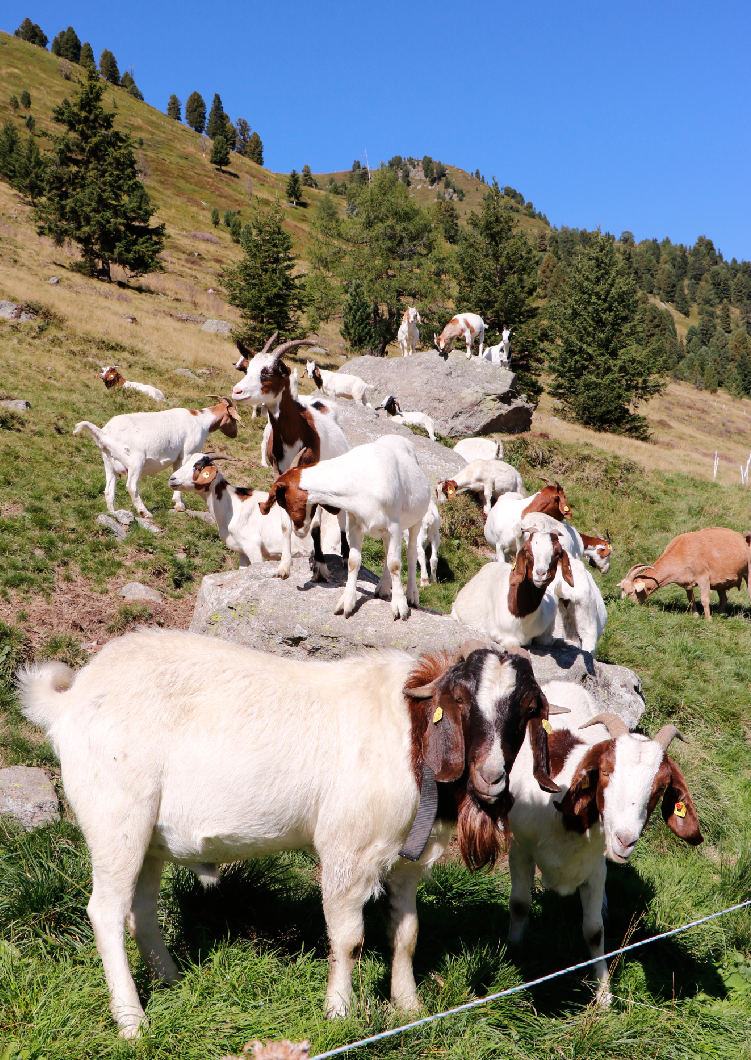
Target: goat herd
188,749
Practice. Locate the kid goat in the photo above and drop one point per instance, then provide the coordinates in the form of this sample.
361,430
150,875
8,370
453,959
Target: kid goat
612,781
145,443
111,377
338,384
197,751
490,477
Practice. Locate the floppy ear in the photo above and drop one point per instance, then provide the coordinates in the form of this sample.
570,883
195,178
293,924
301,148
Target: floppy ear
538,738
276,493
443,743
523,557
205,475
580,801
565,565
281,367
678,808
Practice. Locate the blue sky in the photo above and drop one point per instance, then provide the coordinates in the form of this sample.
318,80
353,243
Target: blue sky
624,115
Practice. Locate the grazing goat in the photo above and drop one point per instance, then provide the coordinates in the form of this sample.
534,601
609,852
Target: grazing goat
479,449
383,490
145,443
193,750
234,509
515,606
296,428
613,780
111,377
598,550
715,558
430,531
408,335
503,527
338,384
463,325
490,477
411,419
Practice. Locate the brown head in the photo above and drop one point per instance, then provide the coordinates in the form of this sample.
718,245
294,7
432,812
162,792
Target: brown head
469,714
111,377
640,582
534,569
226,417
551,500
288,494
446,488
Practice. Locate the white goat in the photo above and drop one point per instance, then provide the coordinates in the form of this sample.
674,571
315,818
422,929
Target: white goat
479,449
582,614
111,377
145,443
383,490
489,477
500,354
408,336
515,606
197,751
503,527
464,325
430,531
613,780
338,384
413,419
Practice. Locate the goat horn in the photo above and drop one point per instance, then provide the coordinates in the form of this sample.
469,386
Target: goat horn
279,351
667,734
469,646
607,536
270,343
217,456
424,691
639,568
616,726
555,709
545,480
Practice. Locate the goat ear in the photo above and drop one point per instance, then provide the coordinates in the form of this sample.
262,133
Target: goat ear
281,367
565,565
205,475
578,800
275,494
520,567
443,743
538,738
678,808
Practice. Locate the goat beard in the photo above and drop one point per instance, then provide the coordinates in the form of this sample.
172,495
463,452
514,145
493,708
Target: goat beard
482,827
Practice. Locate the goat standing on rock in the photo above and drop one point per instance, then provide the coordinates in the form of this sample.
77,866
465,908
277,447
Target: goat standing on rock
467,326
193,750
408,336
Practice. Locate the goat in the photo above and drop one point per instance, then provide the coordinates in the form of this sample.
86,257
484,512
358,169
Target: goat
613,780
569,536
503,527
145,443
307,432
430,531
411,419
111,377
338,384
501,353
490,477
194,750
235,510
715,558
463,325
408,335
383,490
514,605
241,364
479,449
598,550
582,614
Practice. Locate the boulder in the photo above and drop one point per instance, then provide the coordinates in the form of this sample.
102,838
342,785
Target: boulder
28,794
187,373
9,310
17,406
361,425
138,591
462,397
107,521
295,618
222,326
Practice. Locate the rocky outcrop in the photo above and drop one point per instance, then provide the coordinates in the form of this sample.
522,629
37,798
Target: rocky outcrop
462,397
27,793
295,618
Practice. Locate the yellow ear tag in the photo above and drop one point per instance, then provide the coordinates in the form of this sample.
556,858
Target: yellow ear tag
205,473
638,586
680,809
438,715
585,780
547,726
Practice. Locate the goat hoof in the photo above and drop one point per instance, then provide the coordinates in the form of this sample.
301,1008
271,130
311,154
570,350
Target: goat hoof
180,508
131,1031
424,582
344,606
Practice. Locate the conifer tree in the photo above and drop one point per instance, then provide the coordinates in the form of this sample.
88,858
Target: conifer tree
25,99
357,313
215,217
597,366
130,86
173,108
255,149
219,153
743,372
92,194
215,125
262,285
108,67
30,171
67,45
307,177
31,32
681,299
13,103
9,141
87,55
724,317
195,112
243,136
230,133
710,382
294,187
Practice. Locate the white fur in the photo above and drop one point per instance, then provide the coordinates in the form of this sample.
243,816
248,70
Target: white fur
500,354
415,419
464,325
408,336
339,384
568,535
492,478
479,449
430,531
142,388
582,615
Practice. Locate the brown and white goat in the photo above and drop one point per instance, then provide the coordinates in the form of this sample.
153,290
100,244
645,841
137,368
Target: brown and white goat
492,478
503,527
467,326
111,377
162,764
715,558
303,433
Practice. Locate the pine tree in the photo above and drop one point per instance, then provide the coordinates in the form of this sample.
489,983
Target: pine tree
173,108
598,369
13,102
30,122
93,196
243,136
9,141
67,45
25,99
307,177
723,316
262,285
710,381
215,125
235,229
681,299
30,171
108,67
294,187
255,149
215,217
130,86
357,314
743,372
31,32
87,55
195,112
230,133
219,153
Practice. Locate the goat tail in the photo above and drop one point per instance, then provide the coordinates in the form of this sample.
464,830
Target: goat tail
113,449
94,431
40,689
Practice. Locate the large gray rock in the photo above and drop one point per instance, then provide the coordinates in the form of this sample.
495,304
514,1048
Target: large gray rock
139,591
462,397
20,405
295,618
220,326
27,793
362,425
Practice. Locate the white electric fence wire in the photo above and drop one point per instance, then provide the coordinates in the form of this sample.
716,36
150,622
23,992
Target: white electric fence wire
524,986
